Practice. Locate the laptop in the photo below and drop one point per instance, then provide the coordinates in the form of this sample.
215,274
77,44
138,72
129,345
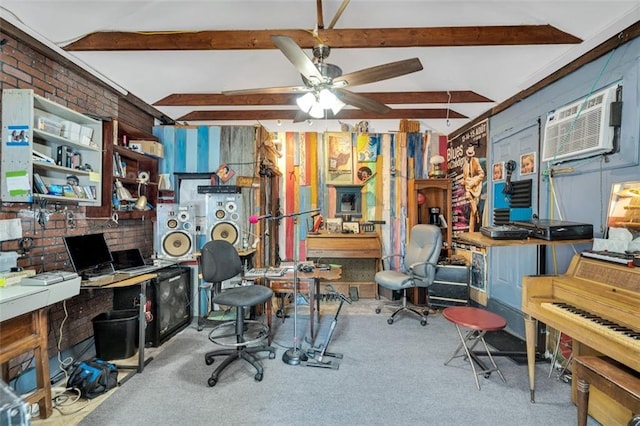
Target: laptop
131,262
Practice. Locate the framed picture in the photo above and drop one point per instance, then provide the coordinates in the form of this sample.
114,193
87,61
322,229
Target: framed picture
478,275
333,225
498,171
351,227
339,158
528,164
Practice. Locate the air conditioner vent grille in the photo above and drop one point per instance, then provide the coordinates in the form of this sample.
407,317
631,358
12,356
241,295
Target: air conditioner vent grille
579,128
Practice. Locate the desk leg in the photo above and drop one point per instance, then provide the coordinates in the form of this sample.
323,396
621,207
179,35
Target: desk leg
142,326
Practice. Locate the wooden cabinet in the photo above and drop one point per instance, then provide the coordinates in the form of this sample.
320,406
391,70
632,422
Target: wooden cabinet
359,254
424,194
49,152
137,173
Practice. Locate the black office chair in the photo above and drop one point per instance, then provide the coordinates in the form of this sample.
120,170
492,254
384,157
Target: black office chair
418,269
219,261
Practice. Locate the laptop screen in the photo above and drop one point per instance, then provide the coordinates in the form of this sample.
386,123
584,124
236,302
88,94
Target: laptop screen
123,259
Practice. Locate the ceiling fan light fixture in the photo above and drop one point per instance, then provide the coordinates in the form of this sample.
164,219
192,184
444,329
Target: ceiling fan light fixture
337,106
316,110
326,98
306,101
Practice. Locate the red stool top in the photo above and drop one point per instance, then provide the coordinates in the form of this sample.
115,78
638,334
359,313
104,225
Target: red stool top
475,318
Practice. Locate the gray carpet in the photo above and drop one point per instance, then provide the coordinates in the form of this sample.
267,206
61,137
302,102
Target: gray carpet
390,374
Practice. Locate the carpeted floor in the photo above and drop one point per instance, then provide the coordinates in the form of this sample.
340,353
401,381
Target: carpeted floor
390,374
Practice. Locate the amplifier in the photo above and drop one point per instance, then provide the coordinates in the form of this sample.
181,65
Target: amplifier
219,189
504,232
548,229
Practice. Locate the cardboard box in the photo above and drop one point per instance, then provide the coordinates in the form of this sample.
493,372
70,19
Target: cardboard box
153,148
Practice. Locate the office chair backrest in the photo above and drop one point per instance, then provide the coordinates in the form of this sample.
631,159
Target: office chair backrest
219,261
424,246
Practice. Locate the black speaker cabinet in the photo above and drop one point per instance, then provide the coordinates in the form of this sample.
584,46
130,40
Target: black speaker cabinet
170,297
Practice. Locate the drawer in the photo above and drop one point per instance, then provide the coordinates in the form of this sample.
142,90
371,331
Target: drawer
451,286
452,274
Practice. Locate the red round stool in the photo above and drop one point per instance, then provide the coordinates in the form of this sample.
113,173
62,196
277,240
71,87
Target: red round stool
478,321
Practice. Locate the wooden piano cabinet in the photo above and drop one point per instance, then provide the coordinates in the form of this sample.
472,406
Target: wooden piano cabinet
364,252
23,334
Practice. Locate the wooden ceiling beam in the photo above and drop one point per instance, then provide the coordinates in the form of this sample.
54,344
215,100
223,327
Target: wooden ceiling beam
208,99
341,38
345,114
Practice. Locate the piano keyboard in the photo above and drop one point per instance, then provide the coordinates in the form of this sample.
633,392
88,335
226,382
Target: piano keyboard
619,333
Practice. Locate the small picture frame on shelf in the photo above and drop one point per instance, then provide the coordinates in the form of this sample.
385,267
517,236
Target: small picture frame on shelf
351,227
333,225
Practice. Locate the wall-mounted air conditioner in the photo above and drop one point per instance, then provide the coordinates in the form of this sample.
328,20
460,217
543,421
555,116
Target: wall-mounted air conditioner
580,128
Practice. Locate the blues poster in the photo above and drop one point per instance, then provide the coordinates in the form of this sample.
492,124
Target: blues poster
467,167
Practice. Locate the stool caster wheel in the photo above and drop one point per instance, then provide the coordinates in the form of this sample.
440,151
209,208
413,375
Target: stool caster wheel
377,310
423,322
390,321
258,377
212,382
208,360
272,355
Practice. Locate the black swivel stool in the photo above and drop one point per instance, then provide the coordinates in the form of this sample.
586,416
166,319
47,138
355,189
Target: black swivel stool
220,261
241,298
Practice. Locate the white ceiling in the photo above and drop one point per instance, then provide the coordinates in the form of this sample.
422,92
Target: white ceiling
496,72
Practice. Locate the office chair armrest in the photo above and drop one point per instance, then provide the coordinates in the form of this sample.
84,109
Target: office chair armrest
412,267
390,256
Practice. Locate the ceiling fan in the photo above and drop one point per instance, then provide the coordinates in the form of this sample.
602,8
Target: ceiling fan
325,85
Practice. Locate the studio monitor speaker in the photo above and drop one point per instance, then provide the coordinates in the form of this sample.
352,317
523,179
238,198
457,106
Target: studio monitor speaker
169,295
223,217
175,231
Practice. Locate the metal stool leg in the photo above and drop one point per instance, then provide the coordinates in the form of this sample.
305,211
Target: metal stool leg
474,337
463,345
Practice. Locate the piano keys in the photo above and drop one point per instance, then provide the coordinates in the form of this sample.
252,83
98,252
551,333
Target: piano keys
595,302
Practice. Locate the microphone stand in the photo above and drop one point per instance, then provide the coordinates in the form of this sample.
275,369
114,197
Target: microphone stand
294,355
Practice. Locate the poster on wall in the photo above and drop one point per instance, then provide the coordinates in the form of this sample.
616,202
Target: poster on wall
339,158
478,275
467,165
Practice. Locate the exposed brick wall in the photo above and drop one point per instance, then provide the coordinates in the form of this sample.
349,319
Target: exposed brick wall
23,66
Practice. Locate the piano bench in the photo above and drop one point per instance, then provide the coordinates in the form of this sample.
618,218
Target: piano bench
479,322
621,384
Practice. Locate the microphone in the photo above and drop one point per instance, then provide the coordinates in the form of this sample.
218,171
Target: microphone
255,219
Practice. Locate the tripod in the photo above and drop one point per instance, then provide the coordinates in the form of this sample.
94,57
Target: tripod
294,355
318,361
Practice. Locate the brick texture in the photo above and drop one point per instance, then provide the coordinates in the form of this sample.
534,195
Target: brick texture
24,67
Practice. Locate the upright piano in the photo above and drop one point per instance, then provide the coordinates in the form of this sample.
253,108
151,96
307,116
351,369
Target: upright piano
595,302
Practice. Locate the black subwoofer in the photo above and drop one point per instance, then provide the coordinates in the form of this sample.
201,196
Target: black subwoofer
169,297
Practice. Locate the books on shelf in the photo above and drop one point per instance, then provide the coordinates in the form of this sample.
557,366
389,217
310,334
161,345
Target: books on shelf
39,184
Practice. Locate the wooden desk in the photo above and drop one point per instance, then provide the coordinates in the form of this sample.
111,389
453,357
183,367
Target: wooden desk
324,246
617,382
28,332
308,282
123,280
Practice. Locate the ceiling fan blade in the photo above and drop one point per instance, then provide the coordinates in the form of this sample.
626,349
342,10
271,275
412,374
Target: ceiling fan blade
300,117
297,57
361,102
380,72
267,90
